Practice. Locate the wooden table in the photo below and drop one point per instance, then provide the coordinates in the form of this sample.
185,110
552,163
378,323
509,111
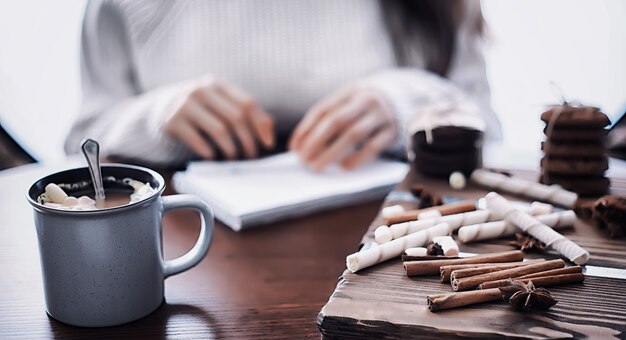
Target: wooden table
265,283
382,302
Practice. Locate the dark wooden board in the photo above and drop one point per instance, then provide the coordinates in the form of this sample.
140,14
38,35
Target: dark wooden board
382,302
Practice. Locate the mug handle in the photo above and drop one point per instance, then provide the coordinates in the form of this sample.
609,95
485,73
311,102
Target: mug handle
199,250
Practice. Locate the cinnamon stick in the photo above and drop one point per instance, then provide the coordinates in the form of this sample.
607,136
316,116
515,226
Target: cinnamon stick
543,281
446,209
415,268
446,271
473,282
461,273
453,300
558,271
427,257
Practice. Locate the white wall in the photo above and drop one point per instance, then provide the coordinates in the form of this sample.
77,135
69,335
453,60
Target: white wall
39,72
578,44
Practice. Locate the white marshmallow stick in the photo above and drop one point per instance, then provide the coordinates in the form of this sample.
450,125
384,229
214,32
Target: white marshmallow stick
538,230
550,193
497,229
382,234
395,248
540,208
455,221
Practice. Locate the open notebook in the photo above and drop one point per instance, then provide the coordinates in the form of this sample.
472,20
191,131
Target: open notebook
249,193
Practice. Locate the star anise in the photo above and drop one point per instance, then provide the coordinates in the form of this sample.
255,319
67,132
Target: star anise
434,249
527,242
526,297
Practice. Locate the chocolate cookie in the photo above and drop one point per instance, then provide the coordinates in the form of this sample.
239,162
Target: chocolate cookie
442,164
584,208
610,212
584,186
596,135
583,116
576,167
586,150
449,138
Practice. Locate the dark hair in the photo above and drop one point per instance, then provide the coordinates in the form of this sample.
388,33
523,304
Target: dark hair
428,25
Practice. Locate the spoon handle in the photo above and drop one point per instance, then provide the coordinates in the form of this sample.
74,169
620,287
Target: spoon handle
91,150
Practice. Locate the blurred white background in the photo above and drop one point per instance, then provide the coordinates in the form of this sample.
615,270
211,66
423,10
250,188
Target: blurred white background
578,44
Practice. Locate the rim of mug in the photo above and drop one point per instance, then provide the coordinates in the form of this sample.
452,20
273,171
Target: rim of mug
44,209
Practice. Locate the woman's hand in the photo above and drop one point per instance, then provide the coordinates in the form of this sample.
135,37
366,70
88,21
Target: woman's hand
351,126
214,108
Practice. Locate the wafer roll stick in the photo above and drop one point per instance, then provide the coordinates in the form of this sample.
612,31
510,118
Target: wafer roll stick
395,248
382,233
540,231
415,268
473,282
453,300
542,281
553,194
455,221
446,271
497,229
461,273
440,210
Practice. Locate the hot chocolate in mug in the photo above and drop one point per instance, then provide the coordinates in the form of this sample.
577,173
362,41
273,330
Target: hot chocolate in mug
105,267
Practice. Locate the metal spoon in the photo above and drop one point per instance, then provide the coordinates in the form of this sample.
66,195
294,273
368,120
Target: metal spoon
91,150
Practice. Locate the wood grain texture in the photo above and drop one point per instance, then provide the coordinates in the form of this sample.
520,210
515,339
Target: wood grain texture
382,302
266,283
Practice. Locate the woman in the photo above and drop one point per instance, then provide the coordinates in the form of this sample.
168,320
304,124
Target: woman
164,82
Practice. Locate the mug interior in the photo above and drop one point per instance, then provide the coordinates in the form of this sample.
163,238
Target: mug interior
78,175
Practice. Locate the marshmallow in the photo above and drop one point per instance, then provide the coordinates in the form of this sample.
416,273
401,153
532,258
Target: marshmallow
416,251
382,234
392,210
457,180
55,194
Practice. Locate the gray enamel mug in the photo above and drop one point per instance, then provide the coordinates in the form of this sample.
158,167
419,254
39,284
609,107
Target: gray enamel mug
105,267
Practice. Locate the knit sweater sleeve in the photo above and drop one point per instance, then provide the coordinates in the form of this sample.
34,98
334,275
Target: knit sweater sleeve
126,124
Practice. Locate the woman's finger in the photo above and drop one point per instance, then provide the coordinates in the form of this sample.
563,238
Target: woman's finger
263,126
213,126
348,141
258,120
234,115
190,136
372,148
315,114
332,125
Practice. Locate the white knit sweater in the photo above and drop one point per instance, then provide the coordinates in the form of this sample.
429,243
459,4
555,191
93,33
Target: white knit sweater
288,54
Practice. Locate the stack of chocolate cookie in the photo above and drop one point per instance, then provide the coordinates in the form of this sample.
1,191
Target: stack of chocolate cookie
447,149
575,153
